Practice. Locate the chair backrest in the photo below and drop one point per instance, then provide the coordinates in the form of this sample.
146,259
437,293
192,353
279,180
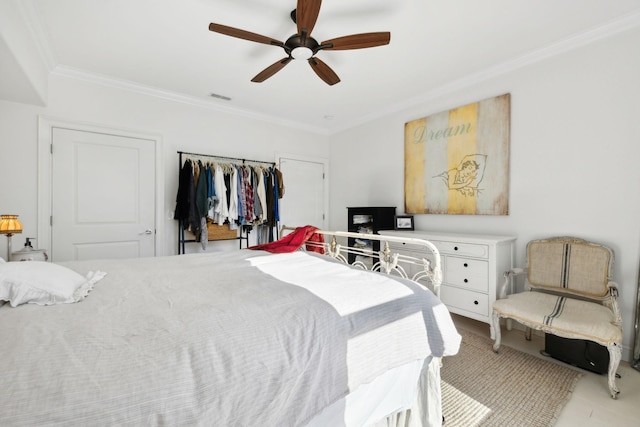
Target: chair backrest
571,266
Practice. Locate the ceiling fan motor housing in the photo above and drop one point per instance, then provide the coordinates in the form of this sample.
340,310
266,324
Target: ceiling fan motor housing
300,47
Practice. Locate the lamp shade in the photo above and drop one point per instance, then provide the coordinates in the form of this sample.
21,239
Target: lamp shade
9,224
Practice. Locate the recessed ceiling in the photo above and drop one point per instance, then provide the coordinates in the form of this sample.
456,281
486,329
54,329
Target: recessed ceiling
166,45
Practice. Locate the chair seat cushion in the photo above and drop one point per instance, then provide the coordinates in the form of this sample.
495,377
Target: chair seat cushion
562,316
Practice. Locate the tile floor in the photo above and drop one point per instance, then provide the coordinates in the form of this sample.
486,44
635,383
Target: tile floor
590,404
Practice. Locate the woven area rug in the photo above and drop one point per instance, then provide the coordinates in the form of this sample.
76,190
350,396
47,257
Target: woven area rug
511,388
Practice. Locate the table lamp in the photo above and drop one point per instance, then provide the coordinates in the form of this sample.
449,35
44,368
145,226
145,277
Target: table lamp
9,225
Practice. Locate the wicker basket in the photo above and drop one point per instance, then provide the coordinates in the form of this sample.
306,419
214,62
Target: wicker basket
221,232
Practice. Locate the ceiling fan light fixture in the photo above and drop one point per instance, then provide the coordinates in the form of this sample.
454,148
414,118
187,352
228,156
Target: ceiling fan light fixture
301,52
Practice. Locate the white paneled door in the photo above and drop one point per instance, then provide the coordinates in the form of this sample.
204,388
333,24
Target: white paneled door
103,196
304,201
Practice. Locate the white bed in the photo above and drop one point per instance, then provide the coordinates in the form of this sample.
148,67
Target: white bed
244,338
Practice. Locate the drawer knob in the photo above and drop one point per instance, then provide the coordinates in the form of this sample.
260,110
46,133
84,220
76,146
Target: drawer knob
455,248
465,264
466,280
476,302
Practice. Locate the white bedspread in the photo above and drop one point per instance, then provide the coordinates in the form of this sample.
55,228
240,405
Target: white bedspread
243,338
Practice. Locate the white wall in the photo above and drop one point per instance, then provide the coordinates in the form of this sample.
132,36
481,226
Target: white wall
180,126
575,146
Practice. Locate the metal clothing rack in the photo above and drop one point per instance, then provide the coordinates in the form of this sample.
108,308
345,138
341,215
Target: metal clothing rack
232,159
244,232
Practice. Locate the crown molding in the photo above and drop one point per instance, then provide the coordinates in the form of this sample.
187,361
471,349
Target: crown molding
113,83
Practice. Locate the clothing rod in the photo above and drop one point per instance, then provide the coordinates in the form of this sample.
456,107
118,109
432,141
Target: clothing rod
224,157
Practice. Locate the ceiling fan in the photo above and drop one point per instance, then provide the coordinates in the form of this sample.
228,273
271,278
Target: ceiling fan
302,46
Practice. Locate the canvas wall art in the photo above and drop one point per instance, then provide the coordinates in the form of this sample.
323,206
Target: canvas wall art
457,161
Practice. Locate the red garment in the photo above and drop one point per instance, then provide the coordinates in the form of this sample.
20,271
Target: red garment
294,241
318,238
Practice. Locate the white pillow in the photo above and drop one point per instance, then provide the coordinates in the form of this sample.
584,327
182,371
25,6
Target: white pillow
43,283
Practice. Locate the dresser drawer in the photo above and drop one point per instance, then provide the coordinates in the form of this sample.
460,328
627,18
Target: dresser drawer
397,246
474,302
437,243
463,249
467,273
445,247
416,251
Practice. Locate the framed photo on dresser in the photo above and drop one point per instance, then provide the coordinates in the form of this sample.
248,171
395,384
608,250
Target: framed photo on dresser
404,222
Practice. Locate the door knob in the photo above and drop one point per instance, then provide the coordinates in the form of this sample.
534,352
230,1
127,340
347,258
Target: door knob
147,231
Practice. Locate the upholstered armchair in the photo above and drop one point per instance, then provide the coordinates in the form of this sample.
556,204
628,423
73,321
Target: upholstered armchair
568,293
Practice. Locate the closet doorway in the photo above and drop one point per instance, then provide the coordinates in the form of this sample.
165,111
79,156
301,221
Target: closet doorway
102,195
306,195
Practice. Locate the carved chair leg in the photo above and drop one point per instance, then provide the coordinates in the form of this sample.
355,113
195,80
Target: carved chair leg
496,330
615,354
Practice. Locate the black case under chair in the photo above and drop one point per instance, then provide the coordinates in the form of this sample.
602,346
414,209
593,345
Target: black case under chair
581,353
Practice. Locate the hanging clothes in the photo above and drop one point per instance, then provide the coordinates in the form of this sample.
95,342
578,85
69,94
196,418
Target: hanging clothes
182,198
262,194
270,200
280,183
194,217
257,205
233,199
276,195
221,204
247,194
240,195
201,191
226,192
211,191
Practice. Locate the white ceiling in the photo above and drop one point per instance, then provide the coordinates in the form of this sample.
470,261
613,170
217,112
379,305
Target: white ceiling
165,47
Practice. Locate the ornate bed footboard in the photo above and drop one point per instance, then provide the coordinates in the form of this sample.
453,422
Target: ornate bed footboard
426,271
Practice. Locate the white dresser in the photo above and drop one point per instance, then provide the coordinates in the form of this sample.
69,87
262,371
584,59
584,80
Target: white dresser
472,267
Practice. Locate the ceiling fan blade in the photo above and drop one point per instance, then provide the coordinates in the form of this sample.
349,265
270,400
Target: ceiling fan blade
271,70
242,34
324,71
307,12
357,41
